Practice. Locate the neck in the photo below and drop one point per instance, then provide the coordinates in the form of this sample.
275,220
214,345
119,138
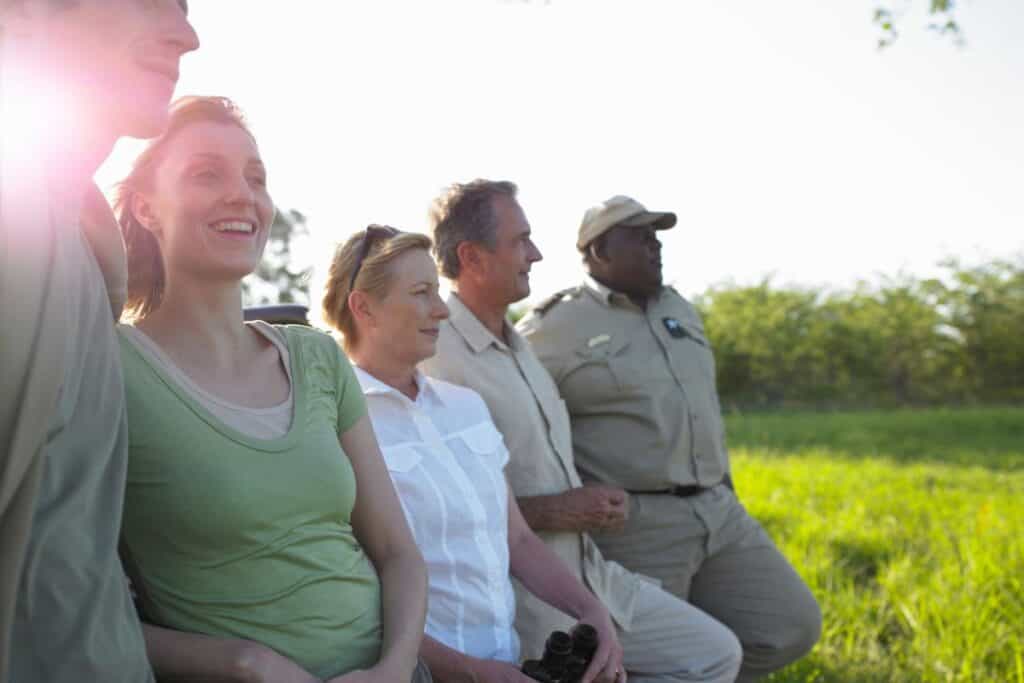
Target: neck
488,311
640,299
397,374
200,322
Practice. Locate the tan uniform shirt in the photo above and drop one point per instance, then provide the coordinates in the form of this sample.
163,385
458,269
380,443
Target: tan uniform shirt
531,416
639,385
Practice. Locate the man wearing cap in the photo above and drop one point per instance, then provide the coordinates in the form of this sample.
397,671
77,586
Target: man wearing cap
482,242
636,372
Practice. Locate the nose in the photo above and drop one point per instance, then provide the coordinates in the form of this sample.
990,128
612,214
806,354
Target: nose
179,35
240,191
535,254
440,311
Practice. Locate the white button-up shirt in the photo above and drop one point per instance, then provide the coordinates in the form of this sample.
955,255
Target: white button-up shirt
447,460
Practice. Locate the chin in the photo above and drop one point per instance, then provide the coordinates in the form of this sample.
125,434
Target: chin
426,351
520,294
145,125
142,115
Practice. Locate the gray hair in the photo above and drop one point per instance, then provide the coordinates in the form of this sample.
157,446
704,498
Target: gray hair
464,212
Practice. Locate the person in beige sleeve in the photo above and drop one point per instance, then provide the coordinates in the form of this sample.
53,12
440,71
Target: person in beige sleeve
482,243
631,360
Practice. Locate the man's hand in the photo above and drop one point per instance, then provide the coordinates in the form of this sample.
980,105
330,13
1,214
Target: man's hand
490,671
606,665
596,508
257,663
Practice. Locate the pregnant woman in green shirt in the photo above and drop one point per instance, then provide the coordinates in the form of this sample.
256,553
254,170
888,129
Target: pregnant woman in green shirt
259,514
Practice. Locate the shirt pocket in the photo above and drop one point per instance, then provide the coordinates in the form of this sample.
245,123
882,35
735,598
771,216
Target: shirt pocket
694,361
593,374
401,459
636,369
485,441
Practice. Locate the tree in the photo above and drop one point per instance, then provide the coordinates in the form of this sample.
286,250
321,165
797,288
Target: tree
985,306
277,279
902,341
942,21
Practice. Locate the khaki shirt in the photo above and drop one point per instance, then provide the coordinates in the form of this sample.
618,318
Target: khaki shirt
639,385
531,416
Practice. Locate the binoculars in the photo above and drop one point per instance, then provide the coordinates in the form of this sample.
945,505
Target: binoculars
566,656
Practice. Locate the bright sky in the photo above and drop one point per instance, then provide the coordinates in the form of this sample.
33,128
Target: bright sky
785,142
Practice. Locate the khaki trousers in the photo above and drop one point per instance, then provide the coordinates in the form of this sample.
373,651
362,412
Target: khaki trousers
671,640
707,550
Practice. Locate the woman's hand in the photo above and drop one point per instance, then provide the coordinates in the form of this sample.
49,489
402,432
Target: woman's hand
606,665
377,674
257,663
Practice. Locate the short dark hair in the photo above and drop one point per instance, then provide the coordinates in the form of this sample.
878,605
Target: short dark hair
464,212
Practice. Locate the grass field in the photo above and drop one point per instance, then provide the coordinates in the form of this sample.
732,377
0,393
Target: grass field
909,528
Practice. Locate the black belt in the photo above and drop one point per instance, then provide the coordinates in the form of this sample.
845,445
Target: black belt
677,490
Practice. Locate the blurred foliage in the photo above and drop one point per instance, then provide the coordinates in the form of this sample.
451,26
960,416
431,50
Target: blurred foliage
276,280
942,20
904,341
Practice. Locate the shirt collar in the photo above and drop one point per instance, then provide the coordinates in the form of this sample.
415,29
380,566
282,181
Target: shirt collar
609,297
472,330
372,386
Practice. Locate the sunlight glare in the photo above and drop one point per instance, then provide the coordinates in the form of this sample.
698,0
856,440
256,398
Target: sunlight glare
33,119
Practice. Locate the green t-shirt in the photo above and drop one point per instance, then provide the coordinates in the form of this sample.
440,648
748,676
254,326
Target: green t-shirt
251,538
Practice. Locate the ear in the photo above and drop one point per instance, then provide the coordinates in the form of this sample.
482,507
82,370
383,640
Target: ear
362,309
142,210
470,259
598,250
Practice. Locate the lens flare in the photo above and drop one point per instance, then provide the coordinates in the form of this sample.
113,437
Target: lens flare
34,119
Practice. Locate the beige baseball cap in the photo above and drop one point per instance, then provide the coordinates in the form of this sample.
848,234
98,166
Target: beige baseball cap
620,210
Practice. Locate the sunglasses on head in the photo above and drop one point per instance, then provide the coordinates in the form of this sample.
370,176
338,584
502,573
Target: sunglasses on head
373,233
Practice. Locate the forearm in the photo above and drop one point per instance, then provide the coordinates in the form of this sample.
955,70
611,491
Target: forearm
177,655
446,665
544,574
404,586
550,513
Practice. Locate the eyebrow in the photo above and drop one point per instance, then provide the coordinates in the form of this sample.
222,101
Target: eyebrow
210,156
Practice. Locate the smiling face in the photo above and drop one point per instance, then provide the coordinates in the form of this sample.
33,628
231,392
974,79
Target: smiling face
507,266
406,320
114,62
208,206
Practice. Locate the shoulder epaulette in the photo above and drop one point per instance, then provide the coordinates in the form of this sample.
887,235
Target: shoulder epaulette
677,293
550,302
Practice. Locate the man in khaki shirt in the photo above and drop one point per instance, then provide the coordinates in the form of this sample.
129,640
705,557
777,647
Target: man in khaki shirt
482,240
631,361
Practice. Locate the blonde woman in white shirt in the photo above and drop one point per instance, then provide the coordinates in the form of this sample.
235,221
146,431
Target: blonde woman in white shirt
447,461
